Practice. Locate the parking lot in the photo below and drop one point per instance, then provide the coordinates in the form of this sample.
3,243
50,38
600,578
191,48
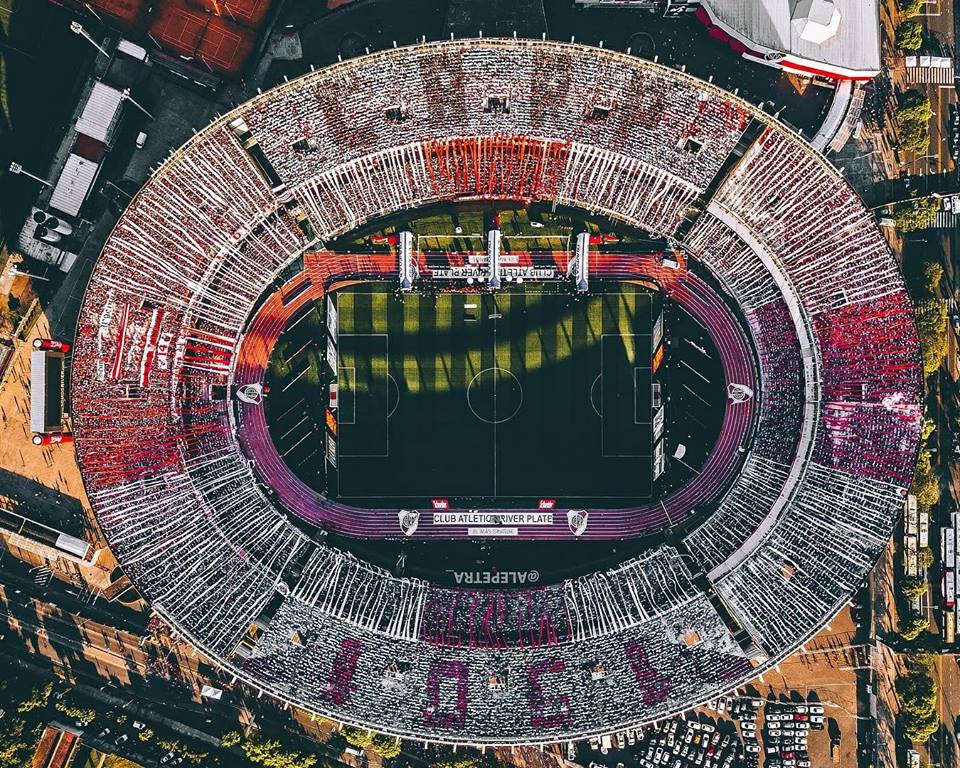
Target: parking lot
729,733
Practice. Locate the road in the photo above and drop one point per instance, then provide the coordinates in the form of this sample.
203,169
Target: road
942,747
938,19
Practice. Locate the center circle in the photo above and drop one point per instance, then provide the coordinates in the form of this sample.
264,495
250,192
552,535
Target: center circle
494,395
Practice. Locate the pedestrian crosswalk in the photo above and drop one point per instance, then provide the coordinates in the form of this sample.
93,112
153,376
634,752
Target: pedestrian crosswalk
938,70
945,220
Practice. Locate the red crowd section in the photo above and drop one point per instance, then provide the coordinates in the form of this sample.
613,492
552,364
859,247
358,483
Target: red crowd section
216,35
510,166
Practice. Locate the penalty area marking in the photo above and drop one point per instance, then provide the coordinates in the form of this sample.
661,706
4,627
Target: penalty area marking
386,405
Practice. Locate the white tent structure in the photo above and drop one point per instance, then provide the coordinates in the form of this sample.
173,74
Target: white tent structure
816,21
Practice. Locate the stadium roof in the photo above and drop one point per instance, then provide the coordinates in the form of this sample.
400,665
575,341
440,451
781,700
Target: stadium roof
46,408
832,38
74,185
100,113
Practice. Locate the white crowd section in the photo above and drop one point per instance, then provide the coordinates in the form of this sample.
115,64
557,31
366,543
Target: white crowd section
740,512
370,598
814,558
633,593
728,256
804,211
216,589
602,181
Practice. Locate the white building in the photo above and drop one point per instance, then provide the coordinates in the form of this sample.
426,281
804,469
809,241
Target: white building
836,39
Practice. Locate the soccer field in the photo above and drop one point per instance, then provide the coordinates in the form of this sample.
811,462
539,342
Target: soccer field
515,396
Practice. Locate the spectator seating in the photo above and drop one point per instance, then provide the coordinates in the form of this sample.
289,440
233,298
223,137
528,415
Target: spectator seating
793,505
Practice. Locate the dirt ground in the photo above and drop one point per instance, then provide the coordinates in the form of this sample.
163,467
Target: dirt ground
43,483
824,670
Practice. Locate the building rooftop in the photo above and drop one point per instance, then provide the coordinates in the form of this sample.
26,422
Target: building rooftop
830,37
74,185
101,113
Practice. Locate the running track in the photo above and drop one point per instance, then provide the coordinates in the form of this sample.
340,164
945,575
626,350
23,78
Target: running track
323,269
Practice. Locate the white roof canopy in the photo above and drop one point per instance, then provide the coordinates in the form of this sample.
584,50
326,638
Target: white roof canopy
74,185
841,37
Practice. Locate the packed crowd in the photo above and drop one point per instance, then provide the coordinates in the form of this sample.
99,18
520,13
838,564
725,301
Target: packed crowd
805,569
511,695
168,305
823,236
778,350
574,94
739,513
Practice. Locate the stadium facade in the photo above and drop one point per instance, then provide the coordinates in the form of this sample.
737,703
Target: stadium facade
175,327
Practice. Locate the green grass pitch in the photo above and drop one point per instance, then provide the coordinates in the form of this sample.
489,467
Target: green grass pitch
494,398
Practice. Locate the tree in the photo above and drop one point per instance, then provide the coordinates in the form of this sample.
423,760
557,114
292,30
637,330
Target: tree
917,692
271,754
230,739
910,35
931,315
83,715
385,746
913,626
913,112
926,485
919,696
914,105
925,558
356,737
920,728
913,587
931,270
911,215
910,8
455,762
915,136
37,698
444,757
14,747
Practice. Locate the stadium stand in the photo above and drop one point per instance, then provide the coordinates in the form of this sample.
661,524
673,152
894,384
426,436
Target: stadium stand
803,486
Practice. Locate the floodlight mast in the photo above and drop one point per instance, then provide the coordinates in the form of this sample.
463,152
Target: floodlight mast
17,170
77,28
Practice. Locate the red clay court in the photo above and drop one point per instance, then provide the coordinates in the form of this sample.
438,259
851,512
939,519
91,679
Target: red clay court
218,35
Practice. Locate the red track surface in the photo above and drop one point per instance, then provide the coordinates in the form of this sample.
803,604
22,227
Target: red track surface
692,293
